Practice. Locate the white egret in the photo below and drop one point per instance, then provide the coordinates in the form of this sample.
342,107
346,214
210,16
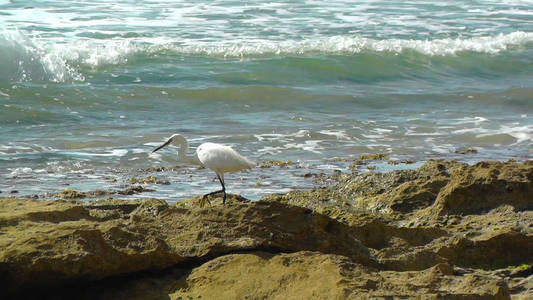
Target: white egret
217,157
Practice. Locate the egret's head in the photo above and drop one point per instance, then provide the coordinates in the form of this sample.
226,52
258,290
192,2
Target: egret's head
175,138
165,144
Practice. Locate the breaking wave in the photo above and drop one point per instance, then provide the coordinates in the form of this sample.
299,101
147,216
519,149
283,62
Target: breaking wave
55,60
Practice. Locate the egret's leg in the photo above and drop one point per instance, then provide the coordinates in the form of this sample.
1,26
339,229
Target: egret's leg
216,192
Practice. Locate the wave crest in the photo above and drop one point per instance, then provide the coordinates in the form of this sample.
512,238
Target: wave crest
56,60
343,45
25,59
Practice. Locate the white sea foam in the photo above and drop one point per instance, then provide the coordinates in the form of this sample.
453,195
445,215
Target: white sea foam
26,148
281,136
29,59
520,133
373,136
354,45
476,130
138,150
270,150
114,152
382,130
339,134
60,59
21,171
309,145
471,120
443,148
155,155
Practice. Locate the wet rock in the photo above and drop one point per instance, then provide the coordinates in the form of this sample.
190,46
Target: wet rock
375,156
132,190
275,163
466,150
155,169
97,193
148,180
70,194
365,159
74,194
397,162
440,187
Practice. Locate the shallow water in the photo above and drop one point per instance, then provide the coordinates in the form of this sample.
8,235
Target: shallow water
88,90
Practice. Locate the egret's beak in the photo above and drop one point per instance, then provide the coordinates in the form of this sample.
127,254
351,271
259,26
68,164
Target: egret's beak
166,143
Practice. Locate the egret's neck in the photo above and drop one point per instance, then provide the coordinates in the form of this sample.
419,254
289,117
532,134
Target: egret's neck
184,148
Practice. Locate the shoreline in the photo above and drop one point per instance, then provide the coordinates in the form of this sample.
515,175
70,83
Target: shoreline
155,181
445,229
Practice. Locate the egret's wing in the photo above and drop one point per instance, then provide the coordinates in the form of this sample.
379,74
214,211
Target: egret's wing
221,158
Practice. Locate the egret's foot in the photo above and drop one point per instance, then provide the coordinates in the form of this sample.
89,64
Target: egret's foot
202,202
204,199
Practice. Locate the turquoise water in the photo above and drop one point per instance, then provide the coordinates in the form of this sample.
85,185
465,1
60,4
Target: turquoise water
89,88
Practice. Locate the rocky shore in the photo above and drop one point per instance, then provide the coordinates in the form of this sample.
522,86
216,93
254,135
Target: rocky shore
444,231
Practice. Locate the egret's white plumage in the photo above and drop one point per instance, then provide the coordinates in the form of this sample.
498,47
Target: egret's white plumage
217,157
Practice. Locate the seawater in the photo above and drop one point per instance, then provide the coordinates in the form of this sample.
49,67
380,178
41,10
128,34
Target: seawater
89,88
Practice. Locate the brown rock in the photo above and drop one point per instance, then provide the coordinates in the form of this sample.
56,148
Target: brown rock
299,275
444,212
446,230
51,243
503,249
487,185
